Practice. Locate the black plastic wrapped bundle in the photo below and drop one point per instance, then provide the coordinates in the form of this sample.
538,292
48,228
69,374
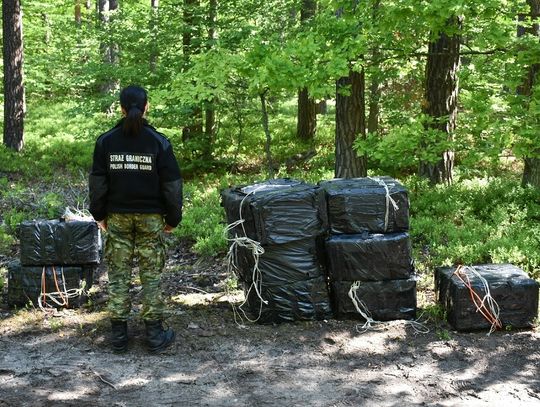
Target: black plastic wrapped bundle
303,300
366,204
369,257
282,264
515,293
276,211
55,242
25,283
385,300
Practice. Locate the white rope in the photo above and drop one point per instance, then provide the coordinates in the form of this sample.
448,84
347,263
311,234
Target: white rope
232,265
60,298
70,215
371,323
389,200
487,301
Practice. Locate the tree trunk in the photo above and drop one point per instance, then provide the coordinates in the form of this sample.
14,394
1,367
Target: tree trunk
14,99
154,29
268,142
78,16
440,98
350,124
531,170
210,113
307,106
375,84
109,50
190,46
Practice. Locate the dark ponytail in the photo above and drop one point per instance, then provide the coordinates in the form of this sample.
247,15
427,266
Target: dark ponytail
133,99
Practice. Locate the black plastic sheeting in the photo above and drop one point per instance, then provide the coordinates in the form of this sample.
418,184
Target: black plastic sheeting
282,264
369,257
515,293
24,282
385,300
56,242
276,211
303,300
360,204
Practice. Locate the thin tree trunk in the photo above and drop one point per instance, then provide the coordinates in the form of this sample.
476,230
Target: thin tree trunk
78,16
154,28
531,169
14,98
440,98
307,106
190,46
350,124
210,113
109,49
266,128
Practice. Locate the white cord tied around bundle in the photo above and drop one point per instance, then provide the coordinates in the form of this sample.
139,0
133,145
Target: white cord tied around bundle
371,323
232,266
59,297
389,200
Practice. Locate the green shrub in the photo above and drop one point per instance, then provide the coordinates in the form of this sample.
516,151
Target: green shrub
477,221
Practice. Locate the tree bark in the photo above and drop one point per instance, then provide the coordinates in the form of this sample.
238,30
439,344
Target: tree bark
307,106
109,49
154,29
190,46
440,98
268,142
14,98
531,169
350,124
210,112
78,16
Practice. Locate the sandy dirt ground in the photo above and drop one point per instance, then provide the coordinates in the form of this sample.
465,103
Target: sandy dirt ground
65,360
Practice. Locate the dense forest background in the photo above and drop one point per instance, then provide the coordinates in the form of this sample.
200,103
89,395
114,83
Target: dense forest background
440,94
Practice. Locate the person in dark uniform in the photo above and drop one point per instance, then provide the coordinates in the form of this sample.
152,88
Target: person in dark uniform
135,196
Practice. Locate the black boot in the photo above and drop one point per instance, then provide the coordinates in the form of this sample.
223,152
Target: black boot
119,335
158,338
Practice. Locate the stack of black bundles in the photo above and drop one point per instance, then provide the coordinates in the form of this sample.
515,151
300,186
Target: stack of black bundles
369,249
514,292
286,219
57,261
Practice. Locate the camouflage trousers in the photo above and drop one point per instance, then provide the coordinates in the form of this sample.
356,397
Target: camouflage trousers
130,236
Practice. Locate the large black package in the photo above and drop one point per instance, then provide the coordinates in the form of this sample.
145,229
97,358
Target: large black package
515,293
385,300
303,300
369,257
282,264
377,204
56,242
276,211
27,283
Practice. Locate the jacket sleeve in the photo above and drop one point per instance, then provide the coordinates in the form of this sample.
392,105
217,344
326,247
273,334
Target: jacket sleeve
98,184
171,186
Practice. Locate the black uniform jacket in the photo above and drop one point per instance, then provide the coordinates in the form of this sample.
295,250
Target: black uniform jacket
135,174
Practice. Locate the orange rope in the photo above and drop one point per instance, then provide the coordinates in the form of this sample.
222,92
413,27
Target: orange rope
65,299
476,299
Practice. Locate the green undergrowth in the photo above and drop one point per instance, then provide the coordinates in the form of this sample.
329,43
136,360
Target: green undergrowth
476,221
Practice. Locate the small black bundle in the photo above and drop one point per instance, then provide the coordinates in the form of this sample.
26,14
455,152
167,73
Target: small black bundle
384,300
369,257
66,284
282,264
302,300
514,292
276,211
377,204
57,242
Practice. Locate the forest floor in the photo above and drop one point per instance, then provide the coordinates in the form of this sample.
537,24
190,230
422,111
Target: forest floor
65,359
